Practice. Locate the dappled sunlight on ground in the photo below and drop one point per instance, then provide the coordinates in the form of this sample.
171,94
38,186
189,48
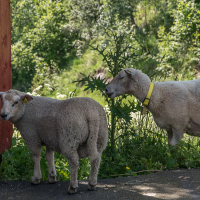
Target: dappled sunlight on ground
172,184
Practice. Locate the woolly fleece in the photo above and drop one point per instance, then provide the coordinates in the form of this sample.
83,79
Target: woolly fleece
75,127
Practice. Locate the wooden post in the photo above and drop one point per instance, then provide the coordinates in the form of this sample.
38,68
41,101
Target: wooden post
5,69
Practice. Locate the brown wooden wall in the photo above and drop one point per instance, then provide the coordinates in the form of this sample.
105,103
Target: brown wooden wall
5,69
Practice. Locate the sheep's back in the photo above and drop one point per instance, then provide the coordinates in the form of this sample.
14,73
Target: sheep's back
175,102
77,113
64,121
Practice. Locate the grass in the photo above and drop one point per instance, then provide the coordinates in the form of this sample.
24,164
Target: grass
62,85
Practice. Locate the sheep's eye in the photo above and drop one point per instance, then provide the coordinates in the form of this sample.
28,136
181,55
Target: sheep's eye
121,77
16,102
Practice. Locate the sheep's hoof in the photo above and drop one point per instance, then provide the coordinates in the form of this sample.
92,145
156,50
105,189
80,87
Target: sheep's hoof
91,187
35,182
52,182
72,190
52,179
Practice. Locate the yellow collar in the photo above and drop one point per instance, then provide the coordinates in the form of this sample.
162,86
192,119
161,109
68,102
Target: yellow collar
147,99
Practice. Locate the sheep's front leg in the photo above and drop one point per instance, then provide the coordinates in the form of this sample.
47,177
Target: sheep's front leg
174,136
52,170
37,175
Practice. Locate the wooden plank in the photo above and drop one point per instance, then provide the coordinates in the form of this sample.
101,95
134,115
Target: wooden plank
5,69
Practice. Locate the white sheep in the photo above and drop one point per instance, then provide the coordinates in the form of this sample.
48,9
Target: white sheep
76,127
175,105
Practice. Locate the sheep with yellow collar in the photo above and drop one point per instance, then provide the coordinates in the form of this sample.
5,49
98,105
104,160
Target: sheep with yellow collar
174,105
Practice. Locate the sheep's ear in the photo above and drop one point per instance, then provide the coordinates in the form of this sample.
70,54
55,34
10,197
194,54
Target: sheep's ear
129,72
26,98
132,73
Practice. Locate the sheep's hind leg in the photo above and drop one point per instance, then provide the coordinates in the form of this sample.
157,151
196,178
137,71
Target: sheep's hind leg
37,175
95,162
52,170
73,159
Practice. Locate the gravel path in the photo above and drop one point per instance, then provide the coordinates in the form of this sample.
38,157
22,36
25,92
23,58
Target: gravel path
170,184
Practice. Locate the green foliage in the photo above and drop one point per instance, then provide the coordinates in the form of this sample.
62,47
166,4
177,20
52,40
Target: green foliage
62,84
142,147
42,45
179,48
17,162
49,41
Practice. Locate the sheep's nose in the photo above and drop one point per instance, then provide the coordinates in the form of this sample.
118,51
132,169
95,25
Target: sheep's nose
109,91
3,116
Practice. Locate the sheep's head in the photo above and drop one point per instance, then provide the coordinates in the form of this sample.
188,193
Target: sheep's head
13,104
122,83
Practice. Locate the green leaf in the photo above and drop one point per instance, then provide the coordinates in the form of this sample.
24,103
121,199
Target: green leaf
170,162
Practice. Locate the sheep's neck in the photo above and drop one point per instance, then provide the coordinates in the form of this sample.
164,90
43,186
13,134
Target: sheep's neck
148,97
142,90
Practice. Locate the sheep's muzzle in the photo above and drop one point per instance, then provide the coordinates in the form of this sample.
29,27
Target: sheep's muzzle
109,91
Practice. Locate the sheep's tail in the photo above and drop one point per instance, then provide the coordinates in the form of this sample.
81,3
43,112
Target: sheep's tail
98,136
102,139
92,139
102,136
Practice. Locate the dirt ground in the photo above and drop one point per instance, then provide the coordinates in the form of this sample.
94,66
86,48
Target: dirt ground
171,184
